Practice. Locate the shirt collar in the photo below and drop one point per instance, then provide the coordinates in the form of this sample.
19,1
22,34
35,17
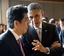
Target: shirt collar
15,35
39,26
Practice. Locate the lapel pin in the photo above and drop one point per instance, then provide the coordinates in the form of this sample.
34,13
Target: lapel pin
45,30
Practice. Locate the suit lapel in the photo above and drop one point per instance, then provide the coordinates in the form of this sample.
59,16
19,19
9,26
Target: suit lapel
13,44
33,32
44,33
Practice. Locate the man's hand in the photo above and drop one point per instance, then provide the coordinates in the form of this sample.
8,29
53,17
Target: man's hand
56,43
38,46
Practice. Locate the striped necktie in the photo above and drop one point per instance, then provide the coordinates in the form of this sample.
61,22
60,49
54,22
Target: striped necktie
19,42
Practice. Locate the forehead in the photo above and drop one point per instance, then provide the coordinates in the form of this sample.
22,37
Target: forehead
33,12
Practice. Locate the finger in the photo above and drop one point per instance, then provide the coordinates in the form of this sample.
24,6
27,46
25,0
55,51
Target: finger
34,48
36,41
34,44
56,41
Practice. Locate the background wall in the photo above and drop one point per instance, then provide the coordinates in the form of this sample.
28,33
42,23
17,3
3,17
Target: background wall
4,5
51,9
0,11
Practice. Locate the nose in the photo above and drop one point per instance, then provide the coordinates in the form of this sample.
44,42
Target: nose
28,22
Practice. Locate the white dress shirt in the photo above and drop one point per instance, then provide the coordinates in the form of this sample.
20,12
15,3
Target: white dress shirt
15,35
39,31
17,38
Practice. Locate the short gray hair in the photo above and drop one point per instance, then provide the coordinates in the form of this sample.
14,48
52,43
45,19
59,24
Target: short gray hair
33,6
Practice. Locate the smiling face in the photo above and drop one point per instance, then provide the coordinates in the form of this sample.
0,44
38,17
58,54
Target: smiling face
35,16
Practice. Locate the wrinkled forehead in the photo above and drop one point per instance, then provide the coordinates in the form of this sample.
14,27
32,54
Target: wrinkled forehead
34,12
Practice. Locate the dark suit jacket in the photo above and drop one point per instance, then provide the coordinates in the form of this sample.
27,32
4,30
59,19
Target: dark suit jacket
49,35
9,45
57,51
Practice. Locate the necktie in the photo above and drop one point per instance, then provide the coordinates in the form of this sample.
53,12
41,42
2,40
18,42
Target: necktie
19,42
39,32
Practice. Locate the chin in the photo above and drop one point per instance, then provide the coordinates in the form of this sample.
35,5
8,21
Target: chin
37,25
25,31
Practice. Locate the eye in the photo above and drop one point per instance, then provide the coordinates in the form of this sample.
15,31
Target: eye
31,17
36,16
27,19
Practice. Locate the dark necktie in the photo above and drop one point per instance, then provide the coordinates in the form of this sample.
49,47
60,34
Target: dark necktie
19,42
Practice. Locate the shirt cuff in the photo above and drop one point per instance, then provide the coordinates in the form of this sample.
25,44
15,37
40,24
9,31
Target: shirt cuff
48,50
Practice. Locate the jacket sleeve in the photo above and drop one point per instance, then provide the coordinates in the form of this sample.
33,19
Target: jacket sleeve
3,49
56,51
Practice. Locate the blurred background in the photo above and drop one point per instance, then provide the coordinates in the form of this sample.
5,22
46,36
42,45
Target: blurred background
52,8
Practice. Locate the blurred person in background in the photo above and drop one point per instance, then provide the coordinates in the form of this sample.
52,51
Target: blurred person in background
1,28
4,27
45,19
61,35
56,23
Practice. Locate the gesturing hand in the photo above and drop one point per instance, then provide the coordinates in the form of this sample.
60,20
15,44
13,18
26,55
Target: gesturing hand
38,46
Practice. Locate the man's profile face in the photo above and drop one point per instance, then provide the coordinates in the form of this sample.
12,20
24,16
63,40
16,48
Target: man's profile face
35,17
23,25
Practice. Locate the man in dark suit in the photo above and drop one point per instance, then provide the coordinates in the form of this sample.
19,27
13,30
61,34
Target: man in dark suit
39,36
17,25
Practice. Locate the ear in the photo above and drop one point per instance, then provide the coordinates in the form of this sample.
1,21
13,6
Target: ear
16,24
43,13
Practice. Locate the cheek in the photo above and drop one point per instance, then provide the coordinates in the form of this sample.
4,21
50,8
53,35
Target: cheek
25,25
37,20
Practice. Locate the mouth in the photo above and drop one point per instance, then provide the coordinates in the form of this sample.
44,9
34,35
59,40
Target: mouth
37,23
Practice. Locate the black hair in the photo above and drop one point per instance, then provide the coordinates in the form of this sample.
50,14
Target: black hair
61,19
15,13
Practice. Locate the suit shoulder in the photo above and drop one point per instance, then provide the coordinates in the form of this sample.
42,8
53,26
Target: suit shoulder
51,25
48,24
3,36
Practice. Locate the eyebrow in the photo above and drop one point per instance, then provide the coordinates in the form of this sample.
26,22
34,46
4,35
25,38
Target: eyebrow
36,15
